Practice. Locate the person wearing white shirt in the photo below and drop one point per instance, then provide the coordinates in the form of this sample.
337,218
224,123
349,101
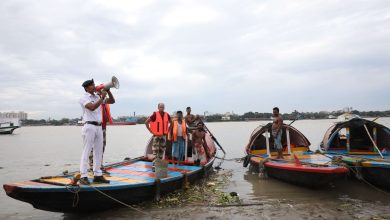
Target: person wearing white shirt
92,130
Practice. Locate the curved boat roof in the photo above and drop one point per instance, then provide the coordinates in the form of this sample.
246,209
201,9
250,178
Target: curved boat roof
355,122
296,137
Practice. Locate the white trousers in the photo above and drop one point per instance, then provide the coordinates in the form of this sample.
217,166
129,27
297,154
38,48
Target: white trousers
92,139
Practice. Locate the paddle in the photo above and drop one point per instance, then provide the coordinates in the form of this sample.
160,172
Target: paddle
296,118
212,137
216,141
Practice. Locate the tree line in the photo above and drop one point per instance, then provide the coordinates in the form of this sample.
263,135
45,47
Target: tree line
248,116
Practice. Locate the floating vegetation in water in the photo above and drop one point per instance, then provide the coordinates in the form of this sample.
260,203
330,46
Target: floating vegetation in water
208,192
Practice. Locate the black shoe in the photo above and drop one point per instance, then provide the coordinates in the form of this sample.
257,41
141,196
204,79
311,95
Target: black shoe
153,168
100,179
104,171
84,181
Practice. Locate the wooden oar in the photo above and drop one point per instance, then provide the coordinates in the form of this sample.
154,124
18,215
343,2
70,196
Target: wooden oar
214,139
372,140
219,145
293,121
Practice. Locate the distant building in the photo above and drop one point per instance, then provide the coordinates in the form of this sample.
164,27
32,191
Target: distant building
226,116
19,115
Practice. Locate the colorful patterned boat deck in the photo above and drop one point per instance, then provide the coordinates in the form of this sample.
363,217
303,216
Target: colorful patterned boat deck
126,175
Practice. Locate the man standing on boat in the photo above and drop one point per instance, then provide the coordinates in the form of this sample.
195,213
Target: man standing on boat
92,133
159,124
191,125
200,145
277,132
190,118
178,136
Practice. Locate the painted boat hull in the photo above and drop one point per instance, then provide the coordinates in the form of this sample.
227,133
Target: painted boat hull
302,175
61,199
377,176
308,179
370,168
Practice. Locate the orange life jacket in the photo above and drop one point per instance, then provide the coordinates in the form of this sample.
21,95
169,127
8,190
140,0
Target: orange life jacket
159,127
183,128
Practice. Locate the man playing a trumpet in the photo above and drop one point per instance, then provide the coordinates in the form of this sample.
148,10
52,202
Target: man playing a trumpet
92,132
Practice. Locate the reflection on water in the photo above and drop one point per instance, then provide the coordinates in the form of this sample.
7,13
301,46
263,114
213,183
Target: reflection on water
41,151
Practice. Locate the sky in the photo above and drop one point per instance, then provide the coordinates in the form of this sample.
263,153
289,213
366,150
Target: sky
215,56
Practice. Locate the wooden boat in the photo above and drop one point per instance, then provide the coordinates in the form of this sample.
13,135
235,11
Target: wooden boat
300,166
361,144
131,181
7,127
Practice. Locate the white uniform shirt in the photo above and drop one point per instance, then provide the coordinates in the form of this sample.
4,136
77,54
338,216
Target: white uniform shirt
89,115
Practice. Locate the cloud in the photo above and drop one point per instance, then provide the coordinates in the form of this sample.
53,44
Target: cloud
213,56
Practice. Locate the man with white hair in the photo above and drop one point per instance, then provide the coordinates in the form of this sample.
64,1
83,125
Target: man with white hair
159,124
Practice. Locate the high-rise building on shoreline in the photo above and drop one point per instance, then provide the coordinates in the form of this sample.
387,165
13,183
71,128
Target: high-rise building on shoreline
20,115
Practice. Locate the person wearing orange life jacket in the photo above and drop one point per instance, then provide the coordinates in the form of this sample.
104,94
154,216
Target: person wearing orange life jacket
178,135
159,124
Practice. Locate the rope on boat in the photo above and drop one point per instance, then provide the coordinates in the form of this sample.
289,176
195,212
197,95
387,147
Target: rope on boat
368,183
185,181
75,189
204,171
238,159
221,160
120,202
339,161
262,169
158,190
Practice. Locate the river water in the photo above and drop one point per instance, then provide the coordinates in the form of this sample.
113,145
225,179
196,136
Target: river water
32,152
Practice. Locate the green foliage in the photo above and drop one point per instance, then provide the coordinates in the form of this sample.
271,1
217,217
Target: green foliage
207,192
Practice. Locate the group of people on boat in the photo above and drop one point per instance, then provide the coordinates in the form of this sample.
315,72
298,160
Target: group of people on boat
180,131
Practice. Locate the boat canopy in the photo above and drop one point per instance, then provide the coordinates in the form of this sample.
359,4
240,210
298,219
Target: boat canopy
258,140
351,135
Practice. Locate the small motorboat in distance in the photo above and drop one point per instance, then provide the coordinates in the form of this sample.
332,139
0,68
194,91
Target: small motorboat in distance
7,127
131,181
362,144
299,166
